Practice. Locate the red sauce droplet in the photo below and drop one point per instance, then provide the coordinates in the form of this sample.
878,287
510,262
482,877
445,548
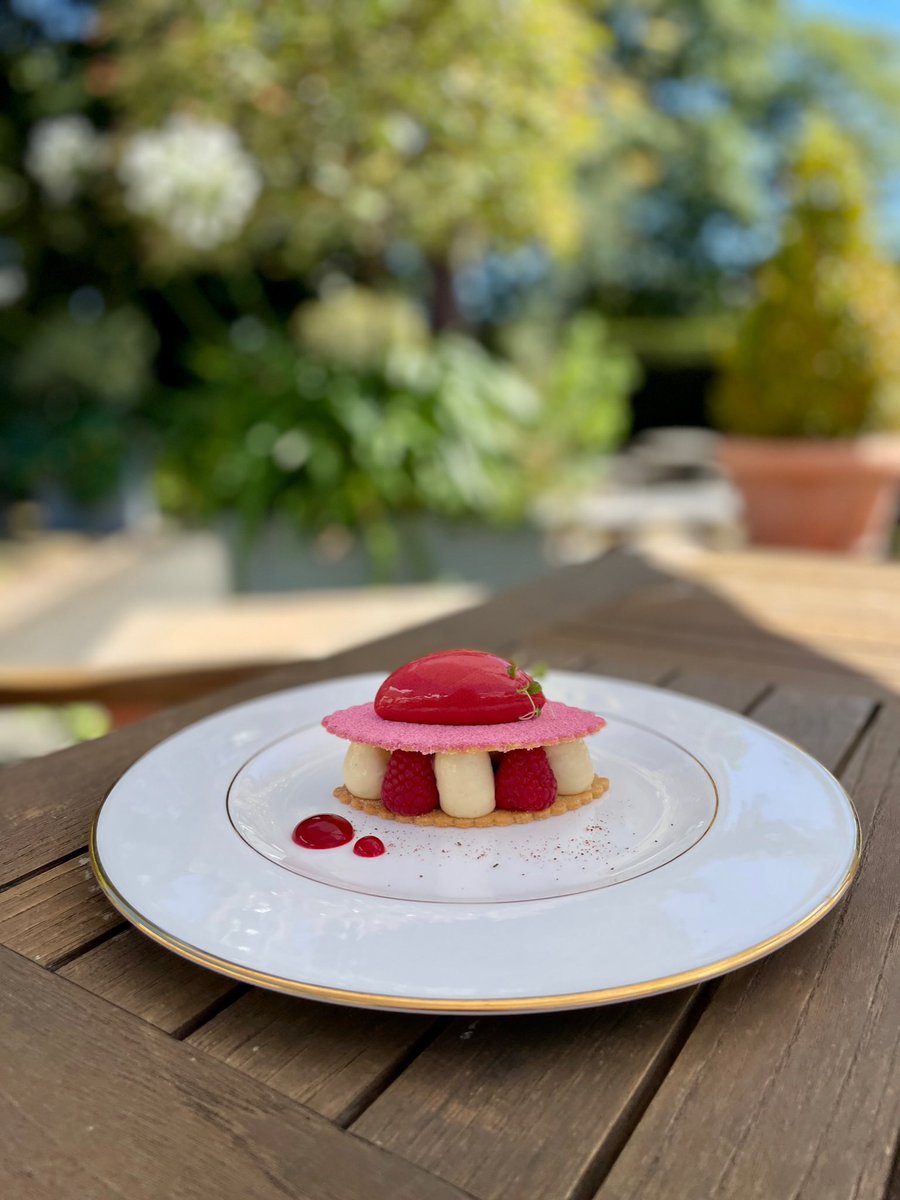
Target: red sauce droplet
369,847
324,831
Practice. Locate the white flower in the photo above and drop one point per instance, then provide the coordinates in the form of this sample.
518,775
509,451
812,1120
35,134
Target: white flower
194,177
61,152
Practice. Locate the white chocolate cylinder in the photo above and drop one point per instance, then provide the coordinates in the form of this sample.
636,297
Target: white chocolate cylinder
364,770
465,783
571,763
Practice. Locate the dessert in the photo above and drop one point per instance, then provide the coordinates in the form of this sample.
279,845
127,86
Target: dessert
463,738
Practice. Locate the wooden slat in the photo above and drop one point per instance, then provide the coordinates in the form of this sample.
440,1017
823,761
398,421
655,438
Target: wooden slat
744,643
654,669
568,654
790,1084
139,688
766,662
46,804
823,724
813,615
756,568
729,691
56,913
858,627
326,1056
143,978
94,1102
528,1106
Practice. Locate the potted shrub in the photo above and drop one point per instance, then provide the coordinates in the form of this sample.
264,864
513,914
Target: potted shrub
810,392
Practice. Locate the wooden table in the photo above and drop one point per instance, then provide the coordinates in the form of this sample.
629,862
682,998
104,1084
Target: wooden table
128,1073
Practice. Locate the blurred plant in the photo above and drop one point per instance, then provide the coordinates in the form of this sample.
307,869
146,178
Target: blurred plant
447,125
354,432
852,72
683,163
62,152
328,444
76,347
193,178
85,722
585,379
588,386
818,355
357,326
77,380
704,98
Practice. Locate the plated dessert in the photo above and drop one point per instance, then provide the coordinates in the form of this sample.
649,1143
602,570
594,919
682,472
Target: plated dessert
464,738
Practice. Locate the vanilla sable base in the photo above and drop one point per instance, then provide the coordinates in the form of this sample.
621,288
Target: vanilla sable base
562,804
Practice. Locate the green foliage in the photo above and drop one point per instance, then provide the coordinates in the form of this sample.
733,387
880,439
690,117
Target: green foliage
857,70
77,384
585,378
85,722
675,342
357,327
704,97
106,357
588,386
352,430
326,442
685,154
818,355
442,124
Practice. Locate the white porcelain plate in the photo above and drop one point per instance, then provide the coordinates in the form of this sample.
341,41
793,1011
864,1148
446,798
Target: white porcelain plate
717,842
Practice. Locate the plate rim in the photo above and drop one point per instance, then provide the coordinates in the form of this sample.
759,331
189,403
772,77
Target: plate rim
510,1005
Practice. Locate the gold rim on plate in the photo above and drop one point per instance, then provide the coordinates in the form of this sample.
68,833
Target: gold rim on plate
526,1004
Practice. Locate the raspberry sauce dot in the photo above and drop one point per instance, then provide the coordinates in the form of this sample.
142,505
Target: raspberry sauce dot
324,831
369,847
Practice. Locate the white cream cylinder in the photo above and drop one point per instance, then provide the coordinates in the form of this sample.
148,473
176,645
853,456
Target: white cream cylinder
465,783
364,770
571,763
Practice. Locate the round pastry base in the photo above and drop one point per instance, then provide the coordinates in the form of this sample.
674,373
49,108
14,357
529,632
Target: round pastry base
562,804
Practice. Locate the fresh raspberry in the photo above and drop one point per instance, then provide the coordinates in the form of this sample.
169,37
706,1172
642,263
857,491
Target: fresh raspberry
409,788
525,781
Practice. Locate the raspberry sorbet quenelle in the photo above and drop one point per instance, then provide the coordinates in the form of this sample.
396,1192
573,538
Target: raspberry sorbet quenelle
463,738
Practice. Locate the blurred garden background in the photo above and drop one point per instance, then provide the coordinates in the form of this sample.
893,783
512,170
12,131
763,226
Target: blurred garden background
324,316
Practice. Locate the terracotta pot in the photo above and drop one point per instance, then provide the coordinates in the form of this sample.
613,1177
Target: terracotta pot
837,495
